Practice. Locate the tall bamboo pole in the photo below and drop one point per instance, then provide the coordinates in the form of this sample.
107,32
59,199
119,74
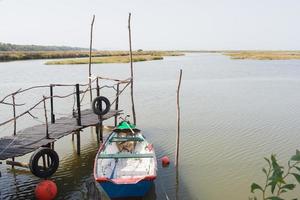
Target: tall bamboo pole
131,69
90,60
178,121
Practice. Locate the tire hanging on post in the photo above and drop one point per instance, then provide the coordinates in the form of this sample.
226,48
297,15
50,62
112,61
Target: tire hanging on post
44,171
96,105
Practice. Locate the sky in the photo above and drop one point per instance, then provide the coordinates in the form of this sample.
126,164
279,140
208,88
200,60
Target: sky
156,24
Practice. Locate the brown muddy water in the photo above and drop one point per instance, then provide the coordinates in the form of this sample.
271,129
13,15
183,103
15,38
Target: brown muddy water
234,113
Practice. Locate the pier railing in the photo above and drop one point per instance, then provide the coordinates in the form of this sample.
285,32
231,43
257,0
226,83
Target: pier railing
80,91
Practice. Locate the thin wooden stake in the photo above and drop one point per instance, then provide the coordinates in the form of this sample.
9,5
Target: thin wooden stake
131,69
178,120
46,118
90,59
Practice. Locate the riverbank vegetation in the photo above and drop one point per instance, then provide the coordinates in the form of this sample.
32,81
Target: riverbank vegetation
105,59
279,180
27,55
263,55
16,47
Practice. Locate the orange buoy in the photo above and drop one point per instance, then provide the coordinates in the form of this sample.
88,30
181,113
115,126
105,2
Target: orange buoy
46,190
165,161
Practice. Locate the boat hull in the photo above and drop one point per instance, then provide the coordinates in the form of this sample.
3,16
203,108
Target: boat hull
125,165
138,189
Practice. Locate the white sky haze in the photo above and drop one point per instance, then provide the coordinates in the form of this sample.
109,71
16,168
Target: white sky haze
156,24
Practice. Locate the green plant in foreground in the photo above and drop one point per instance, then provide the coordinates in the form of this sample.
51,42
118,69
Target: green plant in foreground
278,181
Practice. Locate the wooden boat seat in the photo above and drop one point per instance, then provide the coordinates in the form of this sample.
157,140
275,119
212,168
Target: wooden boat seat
126,155
125,139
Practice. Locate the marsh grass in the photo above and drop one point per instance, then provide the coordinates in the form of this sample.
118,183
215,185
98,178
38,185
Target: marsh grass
264,55
105,59
27,55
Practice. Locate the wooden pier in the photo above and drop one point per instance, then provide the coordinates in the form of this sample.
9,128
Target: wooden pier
30,139
45,134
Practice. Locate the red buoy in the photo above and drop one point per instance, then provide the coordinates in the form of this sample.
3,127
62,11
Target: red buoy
165,161
46,190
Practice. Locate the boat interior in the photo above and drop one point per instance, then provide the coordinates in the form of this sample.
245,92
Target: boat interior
126,155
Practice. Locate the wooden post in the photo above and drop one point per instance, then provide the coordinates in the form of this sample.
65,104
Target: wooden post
98,87
51,105
131,69
177,185
44,161
178,120
78,105
97,127
15,123
90,59
19,164
14,110
46,118
98,133
78,118
78,141
117,104
101,122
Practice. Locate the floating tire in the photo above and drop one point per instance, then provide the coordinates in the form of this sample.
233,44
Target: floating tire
97,102
49,157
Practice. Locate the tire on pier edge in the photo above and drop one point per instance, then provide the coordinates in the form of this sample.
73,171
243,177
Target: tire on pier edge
50,169
96,105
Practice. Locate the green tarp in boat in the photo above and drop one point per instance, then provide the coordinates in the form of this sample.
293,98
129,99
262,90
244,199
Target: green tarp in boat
125,125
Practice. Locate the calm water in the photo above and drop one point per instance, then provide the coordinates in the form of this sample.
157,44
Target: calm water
234,113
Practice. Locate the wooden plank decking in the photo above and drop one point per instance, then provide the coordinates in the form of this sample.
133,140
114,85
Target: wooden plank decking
30,139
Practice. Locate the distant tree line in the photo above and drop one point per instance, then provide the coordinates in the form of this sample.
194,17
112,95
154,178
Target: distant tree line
14,47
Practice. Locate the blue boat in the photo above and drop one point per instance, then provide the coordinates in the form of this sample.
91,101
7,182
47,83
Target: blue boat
125,165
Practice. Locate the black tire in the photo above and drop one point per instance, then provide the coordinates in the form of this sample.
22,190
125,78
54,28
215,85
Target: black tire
96,105
48,171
